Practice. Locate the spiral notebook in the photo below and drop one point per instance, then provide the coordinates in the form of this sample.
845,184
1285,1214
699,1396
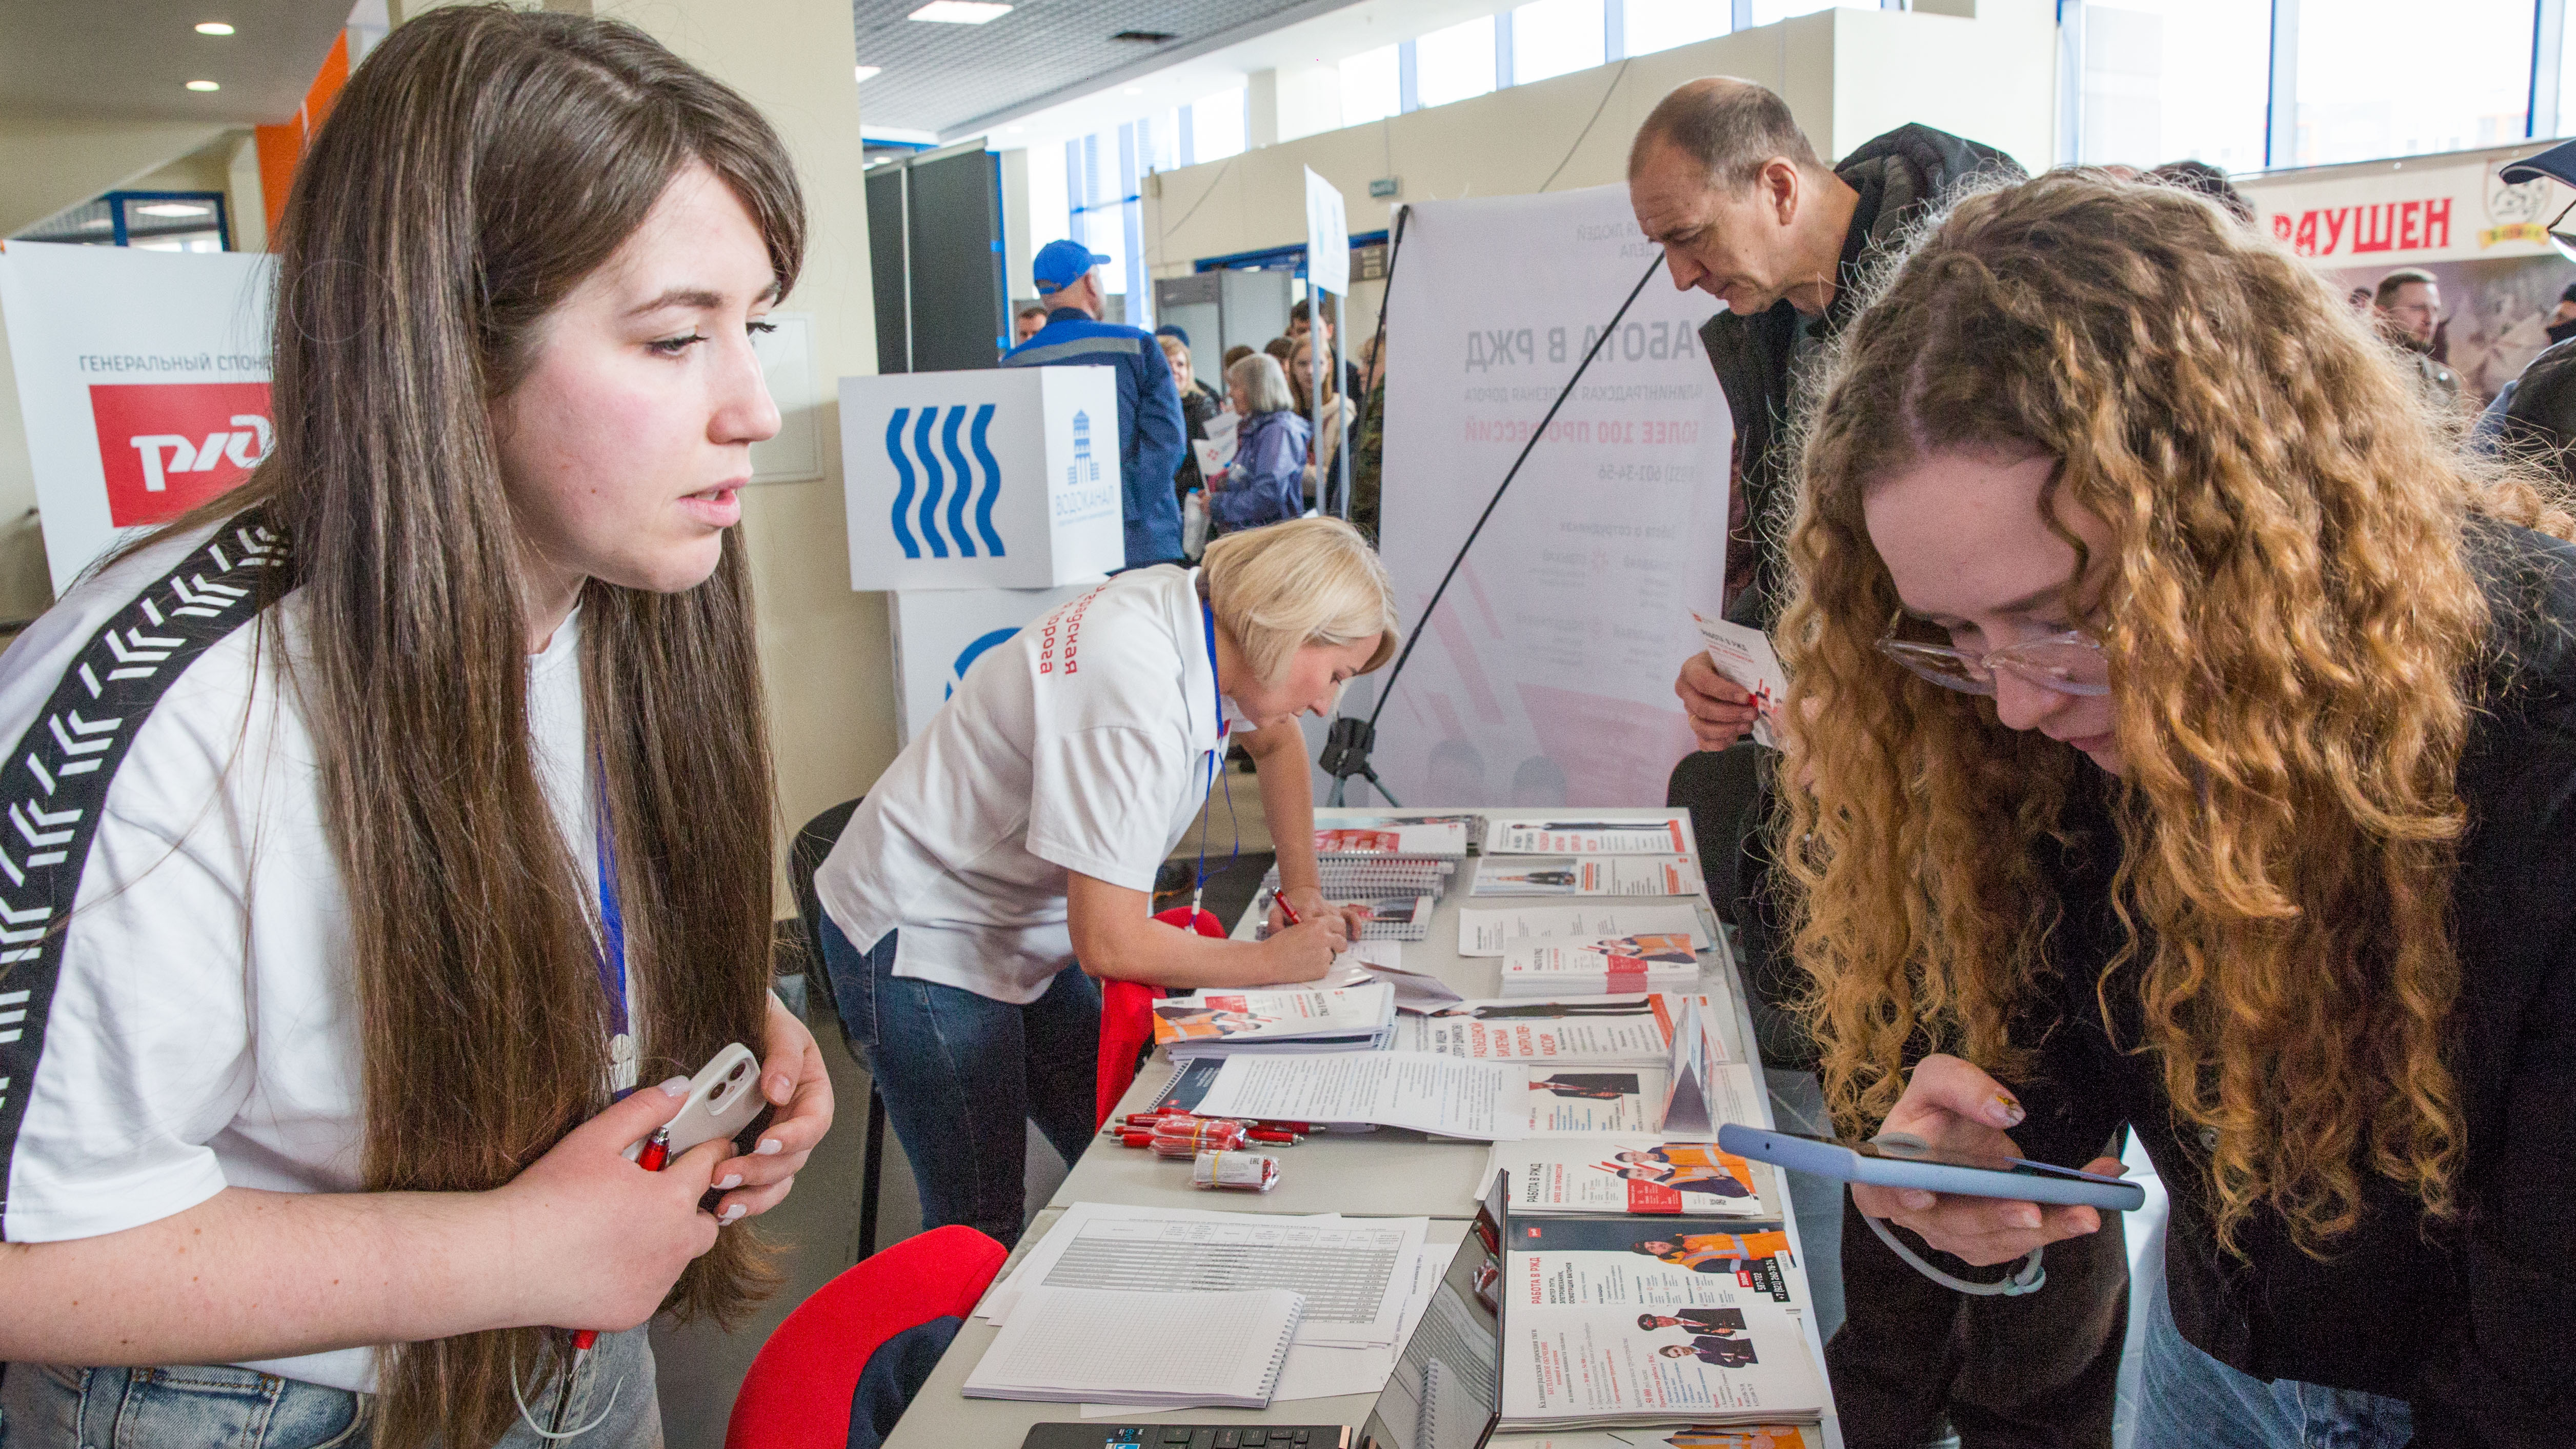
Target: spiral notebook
1157,1350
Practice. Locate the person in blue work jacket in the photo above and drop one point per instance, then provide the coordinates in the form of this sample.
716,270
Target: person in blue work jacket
1150,441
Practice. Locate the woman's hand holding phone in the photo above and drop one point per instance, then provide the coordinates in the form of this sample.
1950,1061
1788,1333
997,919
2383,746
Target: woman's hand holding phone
1958,1108
792,1078
596,1240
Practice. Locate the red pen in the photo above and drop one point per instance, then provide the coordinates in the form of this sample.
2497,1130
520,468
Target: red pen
656,1154
1287,910
1273,1134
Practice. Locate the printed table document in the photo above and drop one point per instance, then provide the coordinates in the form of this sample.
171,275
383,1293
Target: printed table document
1420,1090
1354,1273
1496,932
1668,835
1745,656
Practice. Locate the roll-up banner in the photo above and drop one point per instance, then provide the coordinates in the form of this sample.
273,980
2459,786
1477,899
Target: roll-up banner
143,378
1546,675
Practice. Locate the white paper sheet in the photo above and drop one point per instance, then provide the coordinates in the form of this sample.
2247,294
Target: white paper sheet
1663,835
1744,655
1496,932
1419,1090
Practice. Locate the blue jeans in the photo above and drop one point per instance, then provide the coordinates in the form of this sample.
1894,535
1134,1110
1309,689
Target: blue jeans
54,1406
961,1072
2192,1401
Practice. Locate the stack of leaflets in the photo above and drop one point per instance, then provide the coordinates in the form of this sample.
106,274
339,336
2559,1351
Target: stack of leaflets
1656,961
1360,863
1575,1030
1585,875
1667,834
1633,1176
1613,1321
1399,918
1224,1023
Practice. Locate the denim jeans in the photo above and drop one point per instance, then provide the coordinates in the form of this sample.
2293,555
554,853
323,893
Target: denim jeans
2190,1399
53,1406
961,1072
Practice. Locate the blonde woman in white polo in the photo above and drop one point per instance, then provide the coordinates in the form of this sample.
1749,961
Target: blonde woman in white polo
1008,855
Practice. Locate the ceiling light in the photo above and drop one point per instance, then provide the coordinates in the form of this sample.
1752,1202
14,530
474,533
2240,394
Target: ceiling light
175,208
203,86
213,27
866,71
961,12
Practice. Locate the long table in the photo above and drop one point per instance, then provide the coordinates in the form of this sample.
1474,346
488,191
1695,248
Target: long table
1382,1174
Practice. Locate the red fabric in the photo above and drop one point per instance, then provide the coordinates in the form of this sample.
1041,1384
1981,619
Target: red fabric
1127,1019
797,1395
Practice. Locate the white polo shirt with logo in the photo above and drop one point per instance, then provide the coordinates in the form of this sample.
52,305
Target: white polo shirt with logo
1083,743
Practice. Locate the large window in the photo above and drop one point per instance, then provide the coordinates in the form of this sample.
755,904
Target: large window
2170,80
1552,37
1654,25
1453,64
1372,86
2398,78
1216,126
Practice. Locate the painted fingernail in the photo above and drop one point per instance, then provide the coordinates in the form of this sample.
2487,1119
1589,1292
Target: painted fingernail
676,1087
732,1215
2025,1217
1916,1201
769,1147
731,1181
780,1088
2006,1111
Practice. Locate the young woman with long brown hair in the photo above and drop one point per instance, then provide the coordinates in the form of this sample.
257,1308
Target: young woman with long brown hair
2190,746
432,753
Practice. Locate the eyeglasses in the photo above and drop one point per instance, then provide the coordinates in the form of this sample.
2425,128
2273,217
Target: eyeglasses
2069,663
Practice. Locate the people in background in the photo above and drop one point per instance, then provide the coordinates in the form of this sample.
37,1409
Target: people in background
2407,304
1233,355
1368,440
460,824
1026,324
2209,181
1151,442
1170,333
1280,349
1301,325
1008,855
2111,616
2562,318
1197,406
1265,482
1336,415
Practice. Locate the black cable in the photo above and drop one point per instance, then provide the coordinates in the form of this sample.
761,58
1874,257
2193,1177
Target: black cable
1377,335
1587,126
1347,745
1213,183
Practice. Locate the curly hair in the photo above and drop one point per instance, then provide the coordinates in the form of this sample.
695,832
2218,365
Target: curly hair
2294,634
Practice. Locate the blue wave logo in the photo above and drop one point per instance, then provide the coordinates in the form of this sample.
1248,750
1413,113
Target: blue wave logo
966,660
921,482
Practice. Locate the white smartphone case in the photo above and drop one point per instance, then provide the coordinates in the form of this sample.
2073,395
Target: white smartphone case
723,1098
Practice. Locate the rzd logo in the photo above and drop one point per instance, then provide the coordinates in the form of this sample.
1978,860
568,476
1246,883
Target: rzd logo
930,439
168,446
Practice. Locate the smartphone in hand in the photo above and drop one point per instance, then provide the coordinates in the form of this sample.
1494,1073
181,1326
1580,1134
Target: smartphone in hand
1898,1163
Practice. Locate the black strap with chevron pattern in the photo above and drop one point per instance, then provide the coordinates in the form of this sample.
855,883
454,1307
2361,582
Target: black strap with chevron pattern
56,778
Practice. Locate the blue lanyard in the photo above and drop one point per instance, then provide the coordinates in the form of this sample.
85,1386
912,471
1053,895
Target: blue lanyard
1216,762
612,939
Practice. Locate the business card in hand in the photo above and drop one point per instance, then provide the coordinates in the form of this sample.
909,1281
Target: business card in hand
1744,655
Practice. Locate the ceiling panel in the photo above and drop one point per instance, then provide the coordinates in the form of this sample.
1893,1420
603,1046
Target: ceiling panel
944,78
132,59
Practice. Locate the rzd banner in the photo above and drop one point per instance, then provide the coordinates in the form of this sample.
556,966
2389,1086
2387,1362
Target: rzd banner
143,377
1546,676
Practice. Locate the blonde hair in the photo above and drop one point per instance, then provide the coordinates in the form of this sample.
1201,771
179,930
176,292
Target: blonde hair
1306,581
2294,631
1175,350
1265,387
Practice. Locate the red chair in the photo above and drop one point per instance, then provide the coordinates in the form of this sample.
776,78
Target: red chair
797,1394
1127,1020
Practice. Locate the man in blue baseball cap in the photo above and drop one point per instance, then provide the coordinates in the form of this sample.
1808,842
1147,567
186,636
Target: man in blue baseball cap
1150,440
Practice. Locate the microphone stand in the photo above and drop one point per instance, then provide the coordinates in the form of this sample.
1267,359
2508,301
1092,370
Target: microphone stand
1349,739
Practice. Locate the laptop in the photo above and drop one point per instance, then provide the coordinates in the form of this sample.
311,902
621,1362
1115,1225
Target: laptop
1446,1391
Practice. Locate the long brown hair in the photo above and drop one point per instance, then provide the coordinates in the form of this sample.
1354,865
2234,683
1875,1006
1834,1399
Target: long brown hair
2295,633
479,165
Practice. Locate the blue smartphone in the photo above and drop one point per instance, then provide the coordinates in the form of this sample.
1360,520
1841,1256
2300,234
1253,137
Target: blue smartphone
1899,1163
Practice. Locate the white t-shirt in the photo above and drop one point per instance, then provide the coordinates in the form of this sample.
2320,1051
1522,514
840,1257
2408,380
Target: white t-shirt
1083,743
204,1030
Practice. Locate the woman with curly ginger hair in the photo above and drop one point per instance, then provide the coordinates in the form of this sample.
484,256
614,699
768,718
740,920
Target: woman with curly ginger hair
2190,743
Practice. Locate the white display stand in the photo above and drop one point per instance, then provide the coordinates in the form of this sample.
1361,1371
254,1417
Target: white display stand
997,478
938,633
